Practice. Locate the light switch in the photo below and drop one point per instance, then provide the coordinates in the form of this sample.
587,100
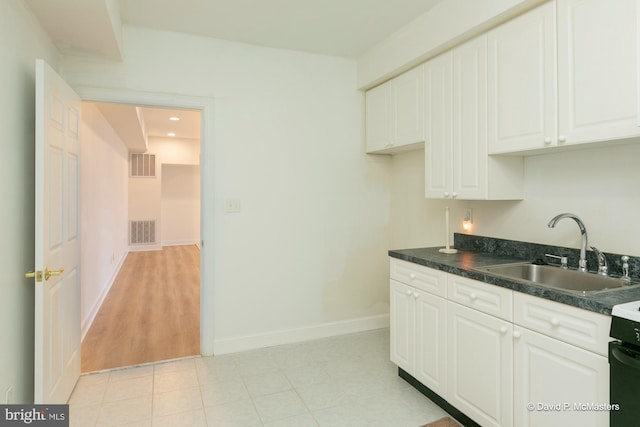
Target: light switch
232,205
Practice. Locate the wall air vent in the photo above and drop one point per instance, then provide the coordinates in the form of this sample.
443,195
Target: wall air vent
142,165
142,232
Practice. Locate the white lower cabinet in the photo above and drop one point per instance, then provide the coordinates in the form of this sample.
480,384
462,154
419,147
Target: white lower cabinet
431,342
502,358
480,368
557,384
418,335
403,328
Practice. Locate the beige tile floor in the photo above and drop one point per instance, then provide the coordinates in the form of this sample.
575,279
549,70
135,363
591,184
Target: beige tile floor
343,381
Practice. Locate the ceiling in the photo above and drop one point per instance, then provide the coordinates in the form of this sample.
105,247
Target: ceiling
134,124
344,28
87,27
158,124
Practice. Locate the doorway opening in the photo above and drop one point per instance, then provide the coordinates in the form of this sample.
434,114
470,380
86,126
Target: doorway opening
141,203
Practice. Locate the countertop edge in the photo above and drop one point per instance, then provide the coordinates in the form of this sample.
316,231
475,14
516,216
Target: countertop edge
464,263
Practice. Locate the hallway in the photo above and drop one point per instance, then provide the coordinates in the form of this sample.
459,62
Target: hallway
151,313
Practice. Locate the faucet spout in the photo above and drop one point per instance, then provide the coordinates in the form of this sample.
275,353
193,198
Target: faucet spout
582,264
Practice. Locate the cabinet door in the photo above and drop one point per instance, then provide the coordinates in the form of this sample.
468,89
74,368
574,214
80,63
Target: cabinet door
550,372
407,108
377,119
431,342
522,82
438,129
598,70
470,120
402,319
480,365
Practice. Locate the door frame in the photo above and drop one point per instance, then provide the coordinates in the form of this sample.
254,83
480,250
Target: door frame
207,148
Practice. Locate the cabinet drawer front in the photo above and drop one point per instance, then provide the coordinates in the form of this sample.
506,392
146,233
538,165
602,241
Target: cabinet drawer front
489,299
420,277
572,325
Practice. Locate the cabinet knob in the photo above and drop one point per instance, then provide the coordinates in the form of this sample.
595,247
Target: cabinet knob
562,139
473,296
547,141
555,322
408,292
412,276
446,194
454,195
517,334
416,295
503,330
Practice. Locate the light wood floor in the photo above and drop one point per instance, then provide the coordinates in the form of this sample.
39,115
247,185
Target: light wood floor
151,313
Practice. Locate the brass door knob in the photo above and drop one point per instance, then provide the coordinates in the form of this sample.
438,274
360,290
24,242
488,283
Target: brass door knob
34,274
48,273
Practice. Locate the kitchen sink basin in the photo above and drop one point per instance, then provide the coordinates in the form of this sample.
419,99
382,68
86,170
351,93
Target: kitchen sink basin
556,277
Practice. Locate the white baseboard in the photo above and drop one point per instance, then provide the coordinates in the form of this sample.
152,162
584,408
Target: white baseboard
290,336
183,242
88,320
144,248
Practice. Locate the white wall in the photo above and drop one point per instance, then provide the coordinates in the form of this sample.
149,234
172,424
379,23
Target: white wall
598,185
309,246
22,40
147,195
416,221
104,209
180,209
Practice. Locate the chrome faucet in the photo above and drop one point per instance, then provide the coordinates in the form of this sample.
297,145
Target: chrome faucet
582,264
603,268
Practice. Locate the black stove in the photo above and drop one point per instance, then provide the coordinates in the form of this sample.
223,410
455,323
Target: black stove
624,365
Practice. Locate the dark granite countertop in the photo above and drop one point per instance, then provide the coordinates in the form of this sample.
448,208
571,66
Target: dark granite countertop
500,251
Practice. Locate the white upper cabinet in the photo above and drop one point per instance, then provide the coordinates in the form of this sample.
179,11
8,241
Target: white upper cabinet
470,120
589,94
377,119
522,82
395,114
456,160
438,129
597,70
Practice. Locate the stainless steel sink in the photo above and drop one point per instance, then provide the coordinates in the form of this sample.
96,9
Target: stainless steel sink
556,277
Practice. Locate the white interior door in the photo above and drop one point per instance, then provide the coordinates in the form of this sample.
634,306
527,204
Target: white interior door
57,239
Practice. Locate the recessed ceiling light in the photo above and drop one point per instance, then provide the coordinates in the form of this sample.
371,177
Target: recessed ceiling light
174,118
171,134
